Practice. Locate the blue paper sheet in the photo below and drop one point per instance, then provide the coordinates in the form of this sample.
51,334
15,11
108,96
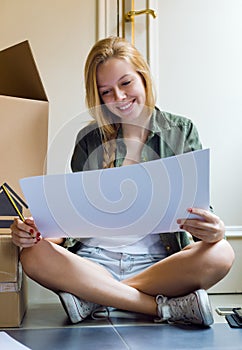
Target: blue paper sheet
132,201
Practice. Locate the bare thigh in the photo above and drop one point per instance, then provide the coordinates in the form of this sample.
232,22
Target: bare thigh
54,266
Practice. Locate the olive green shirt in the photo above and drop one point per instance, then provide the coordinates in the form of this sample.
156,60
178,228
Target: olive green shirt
169,135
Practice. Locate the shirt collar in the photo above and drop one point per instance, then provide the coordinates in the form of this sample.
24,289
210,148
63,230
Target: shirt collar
158,122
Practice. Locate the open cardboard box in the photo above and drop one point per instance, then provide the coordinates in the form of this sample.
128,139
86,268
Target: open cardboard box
23,148
23,117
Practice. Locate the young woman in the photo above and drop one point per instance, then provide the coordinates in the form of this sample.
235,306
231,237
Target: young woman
164,275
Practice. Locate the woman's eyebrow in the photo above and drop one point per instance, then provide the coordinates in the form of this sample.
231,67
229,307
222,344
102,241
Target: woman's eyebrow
124,76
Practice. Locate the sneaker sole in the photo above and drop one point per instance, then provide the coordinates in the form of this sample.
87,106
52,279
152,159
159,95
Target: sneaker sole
204,307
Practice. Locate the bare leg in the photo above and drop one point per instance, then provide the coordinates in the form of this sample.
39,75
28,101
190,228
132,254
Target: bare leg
199,265
57,269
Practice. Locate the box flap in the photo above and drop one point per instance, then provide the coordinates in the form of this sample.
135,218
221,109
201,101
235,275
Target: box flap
19,76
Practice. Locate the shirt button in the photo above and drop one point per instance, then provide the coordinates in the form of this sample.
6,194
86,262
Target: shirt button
168,248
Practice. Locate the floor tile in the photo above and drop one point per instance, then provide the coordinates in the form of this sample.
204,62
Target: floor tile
219,337
84,338
53,316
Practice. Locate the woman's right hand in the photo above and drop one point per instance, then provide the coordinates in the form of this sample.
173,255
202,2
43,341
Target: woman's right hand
25,234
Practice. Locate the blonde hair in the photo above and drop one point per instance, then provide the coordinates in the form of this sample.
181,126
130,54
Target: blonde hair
107,122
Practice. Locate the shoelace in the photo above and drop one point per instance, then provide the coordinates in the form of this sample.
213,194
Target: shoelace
181,311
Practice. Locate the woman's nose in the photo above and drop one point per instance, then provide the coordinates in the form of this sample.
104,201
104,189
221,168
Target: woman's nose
119,94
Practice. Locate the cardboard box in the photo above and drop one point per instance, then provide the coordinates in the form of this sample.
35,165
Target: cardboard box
13,291
23,117
13,302
23,148
9,258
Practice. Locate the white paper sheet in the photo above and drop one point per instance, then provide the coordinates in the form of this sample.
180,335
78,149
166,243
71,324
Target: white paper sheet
8,343
127,201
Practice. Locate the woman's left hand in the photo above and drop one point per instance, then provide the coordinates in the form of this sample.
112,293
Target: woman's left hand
210,228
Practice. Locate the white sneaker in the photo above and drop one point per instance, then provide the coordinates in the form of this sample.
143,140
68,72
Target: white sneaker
192,308
77,309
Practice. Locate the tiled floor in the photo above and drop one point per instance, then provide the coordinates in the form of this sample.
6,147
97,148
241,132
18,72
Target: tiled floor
46,327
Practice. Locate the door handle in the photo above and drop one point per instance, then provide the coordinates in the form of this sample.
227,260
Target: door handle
129,16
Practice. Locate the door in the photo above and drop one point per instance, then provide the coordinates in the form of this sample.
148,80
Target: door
135,20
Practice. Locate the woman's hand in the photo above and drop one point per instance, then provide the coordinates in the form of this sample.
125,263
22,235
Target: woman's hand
25,234
209,228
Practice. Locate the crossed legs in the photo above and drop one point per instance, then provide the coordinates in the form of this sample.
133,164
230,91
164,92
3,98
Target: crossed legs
199,265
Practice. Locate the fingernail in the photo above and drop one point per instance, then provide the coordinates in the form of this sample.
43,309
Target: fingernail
189,210
31,231
38,239
38,234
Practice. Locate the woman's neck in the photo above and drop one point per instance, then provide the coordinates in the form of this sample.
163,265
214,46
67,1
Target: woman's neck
137,130
135,137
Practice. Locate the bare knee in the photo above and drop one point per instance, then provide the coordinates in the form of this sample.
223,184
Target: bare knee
224,256
27,259
217,263
30,259
210,262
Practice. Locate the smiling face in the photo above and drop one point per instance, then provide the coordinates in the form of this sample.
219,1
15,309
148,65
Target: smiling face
121,88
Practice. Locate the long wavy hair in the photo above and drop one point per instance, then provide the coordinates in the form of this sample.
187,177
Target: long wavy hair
112,47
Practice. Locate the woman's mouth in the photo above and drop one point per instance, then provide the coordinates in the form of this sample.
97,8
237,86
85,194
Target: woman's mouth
125,106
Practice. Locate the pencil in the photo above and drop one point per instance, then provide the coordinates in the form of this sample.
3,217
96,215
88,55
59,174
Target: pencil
13,203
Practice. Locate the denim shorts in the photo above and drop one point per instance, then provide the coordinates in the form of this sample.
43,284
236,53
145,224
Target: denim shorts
120,265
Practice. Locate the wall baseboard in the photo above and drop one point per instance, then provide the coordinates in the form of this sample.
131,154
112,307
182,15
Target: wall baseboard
233,231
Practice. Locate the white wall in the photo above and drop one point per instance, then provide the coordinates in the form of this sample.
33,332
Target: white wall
200,76
60,33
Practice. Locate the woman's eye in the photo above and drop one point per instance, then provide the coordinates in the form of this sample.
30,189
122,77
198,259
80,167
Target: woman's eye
105,92
126,82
